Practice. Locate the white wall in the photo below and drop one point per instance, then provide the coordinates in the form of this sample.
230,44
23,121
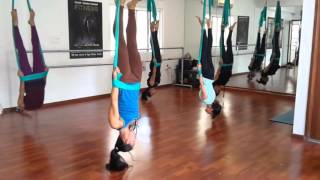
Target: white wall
72,83
304,67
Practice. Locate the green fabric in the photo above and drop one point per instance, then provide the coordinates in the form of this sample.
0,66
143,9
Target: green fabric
277,20
34,76
263,16
211,4
204,9
260,55
29,5
226,65
117,83
151,7
116,55
225,22
226,13
31,76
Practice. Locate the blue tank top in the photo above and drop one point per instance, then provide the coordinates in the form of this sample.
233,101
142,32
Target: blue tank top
211,95
129,106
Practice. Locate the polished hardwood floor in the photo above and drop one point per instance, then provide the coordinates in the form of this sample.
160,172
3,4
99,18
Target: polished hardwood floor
176,140
284,81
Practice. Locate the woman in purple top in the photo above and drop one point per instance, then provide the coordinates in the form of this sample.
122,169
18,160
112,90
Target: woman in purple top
31,93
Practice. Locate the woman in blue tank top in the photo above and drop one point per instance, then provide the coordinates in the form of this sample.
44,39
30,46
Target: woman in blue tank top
124,110
207,94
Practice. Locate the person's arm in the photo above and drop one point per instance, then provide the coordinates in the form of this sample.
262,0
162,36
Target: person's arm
21,92
114,116
202,88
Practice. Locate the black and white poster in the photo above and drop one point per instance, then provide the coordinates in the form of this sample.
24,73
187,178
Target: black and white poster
242,32
85,29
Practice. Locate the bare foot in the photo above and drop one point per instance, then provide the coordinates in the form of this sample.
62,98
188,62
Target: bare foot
132,4
31,18
232,27
209,23
199,20
14,16
154,26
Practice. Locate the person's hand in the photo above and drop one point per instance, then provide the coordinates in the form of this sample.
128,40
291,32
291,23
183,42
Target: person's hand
20,73
115,73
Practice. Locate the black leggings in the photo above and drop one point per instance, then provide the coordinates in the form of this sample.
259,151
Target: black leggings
273,66
260,51
155,52
206,58
227,57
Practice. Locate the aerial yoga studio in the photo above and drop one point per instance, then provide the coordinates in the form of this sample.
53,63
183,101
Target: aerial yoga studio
159,89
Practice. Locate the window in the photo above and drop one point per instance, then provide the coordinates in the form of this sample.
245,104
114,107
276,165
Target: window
143,27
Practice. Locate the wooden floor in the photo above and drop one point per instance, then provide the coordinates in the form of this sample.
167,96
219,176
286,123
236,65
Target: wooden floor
284,81
177,140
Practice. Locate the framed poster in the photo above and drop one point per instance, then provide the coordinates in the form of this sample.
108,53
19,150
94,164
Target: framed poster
242,32
271,33
85,28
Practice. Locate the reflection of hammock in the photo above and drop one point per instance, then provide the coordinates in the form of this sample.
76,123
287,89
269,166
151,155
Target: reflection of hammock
152,10
204,12
31,76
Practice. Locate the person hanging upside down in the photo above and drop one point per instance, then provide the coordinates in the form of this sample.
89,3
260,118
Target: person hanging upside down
258,56
155,68
224,72
273,66
31,93
207,94
124,109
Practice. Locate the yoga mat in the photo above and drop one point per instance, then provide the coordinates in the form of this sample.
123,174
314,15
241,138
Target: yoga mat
286,118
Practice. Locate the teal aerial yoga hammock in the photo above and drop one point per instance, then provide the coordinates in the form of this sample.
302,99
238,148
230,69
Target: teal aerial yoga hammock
152,10
117,82
277,20
225,22
30,77
204,12
263,16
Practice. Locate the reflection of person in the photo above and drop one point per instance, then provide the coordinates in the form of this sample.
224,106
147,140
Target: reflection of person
224,72
155,68
124,109
258,56
273,66
31,93
207,94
